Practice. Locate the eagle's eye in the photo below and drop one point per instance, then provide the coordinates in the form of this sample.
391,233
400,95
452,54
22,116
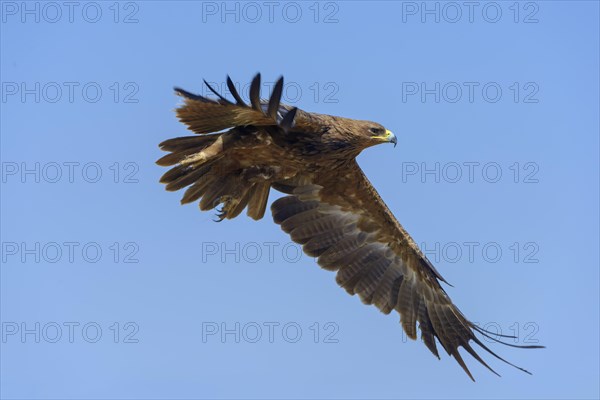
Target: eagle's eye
376,131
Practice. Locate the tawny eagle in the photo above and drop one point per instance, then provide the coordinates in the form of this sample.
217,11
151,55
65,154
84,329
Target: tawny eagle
242,150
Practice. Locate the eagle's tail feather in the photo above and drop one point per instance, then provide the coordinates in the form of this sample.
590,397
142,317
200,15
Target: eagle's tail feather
200,163
182,147
193,157
257,203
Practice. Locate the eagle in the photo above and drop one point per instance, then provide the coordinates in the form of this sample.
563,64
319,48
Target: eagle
241,151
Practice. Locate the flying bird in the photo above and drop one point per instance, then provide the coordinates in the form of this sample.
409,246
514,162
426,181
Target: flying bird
241,151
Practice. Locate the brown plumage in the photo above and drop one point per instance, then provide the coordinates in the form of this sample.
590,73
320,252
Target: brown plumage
331,208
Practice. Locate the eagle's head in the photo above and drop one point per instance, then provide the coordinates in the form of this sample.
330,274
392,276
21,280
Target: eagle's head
373,133
354,136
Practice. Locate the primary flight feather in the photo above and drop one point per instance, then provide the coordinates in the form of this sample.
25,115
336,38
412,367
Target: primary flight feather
331,209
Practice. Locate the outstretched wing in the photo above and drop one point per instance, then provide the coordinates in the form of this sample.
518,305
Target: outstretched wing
342,220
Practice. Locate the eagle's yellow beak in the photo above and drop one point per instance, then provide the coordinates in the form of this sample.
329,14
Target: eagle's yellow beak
389,137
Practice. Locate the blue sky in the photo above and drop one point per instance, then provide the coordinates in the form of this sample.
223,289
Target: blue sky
110,289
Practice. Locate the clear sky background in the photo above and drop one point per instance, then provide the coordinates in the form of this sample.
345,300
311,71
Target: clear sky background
111,289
